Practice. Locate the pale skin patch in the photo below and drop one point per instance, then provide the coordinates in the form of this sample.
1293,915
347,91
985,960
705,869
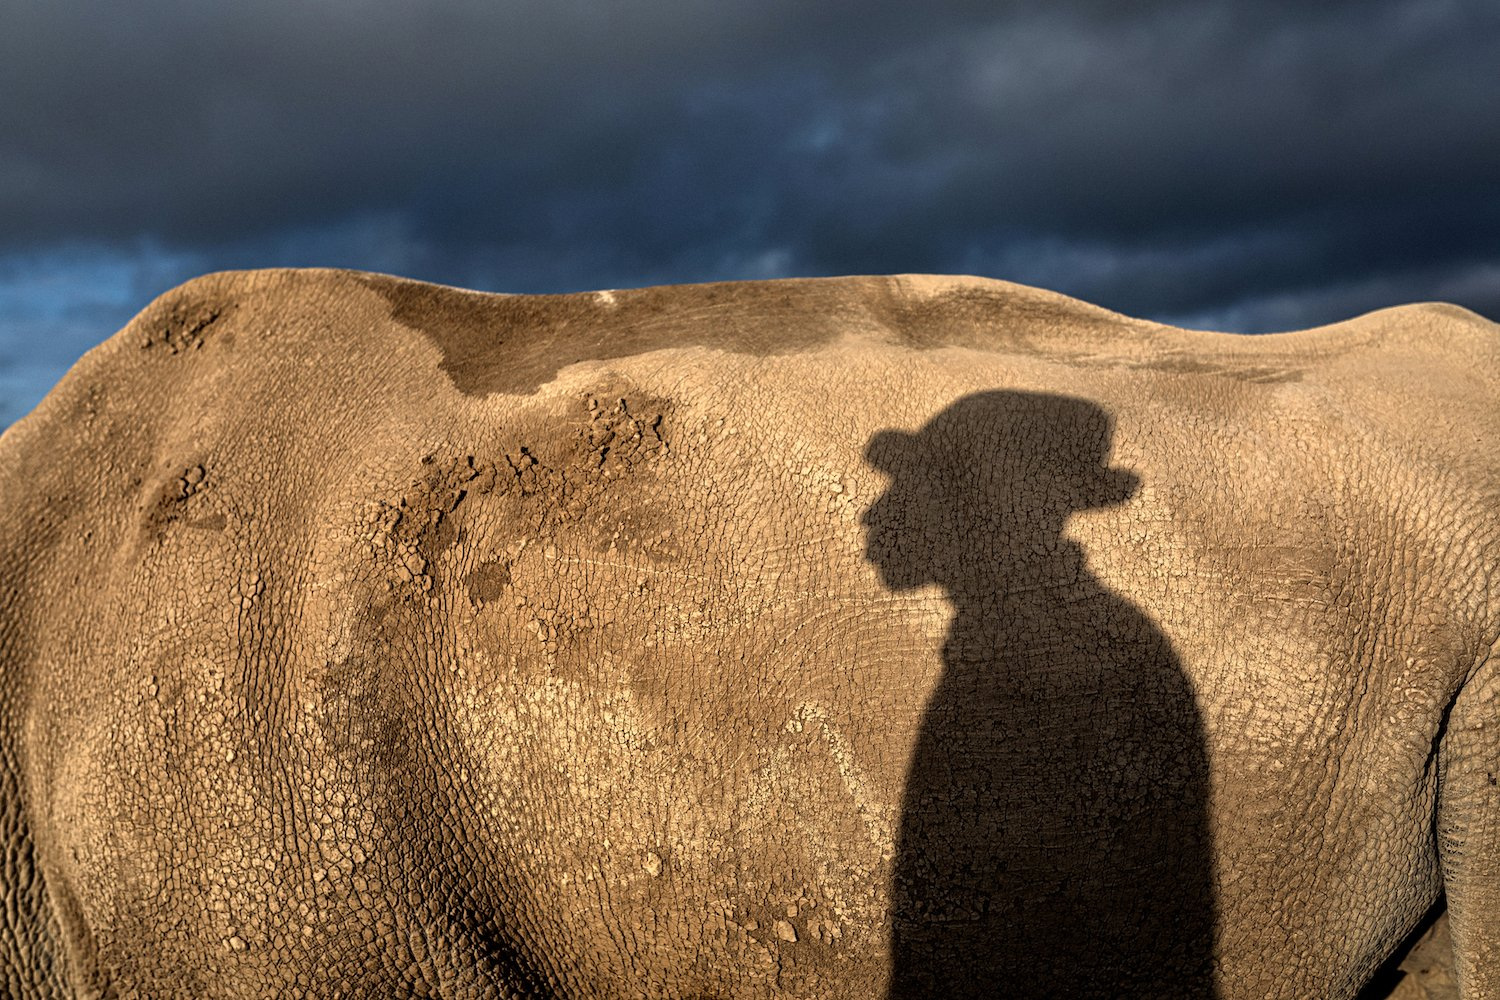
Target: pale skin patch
878,815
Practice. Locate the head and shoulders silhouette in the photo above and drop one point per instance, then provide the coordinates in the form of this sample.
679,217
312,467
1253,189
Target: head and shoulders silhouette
1053,832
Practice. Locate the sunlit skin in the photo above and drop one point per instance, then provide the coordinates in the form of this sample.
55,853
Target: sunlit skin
843,638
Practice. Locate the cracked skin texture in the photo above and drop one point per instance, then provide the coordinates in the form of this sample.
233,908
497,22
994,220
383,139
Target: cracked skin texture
852,637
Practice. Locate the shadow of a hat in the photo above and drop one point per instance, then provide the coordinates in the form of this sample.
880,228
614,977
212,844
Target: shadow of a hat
1059,439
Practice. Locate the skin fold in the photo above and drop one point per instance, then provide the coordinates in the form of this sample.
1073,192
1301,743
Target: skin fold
839,638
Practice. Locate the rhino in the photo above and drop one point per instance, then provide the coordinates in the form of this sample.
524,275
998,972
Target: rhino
857,637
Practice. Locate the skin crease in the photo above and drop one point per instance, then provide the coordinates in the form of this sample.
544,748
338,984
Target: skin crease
853,637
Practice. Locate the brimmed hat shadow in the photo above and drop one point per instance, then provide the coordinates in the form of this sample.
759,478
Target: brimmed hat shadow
1063,440
1054,837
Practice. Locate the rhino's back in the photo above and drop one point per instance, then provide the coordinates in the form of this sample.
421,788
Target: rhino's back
435,636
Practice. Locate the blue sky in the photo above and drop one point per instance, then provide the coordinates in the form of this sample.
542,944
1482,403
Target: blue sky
1248,166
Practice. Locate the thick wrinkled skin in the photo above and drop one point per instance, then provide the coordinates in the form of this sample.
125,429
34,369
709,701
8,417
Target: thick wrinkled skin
845,638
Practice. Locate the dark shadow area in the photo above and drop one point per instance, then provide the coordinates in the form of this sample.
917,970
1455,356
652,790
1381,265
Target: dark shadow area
1425,956
1053,838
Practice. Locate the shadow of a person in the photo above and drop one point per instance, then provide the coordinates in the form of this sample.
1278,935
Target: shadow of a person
1053,838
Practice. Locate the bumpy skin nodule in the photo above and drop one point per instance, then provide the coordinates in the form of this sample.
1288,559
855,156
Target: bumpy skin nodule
858,637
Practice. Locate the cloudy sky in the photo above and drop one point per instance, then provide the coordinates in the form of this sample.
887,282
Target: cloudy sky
1248,165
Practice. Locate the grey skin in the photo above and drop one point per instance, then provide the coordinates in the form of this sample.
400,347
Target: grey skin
844,638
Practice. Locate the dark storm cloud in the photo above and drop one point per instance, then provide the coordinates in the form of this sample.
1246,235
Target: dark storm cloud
1256,165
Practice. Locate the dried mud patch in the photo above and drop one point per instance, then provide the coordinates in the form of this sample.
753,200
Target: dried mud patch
180,325
587,476
178,499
